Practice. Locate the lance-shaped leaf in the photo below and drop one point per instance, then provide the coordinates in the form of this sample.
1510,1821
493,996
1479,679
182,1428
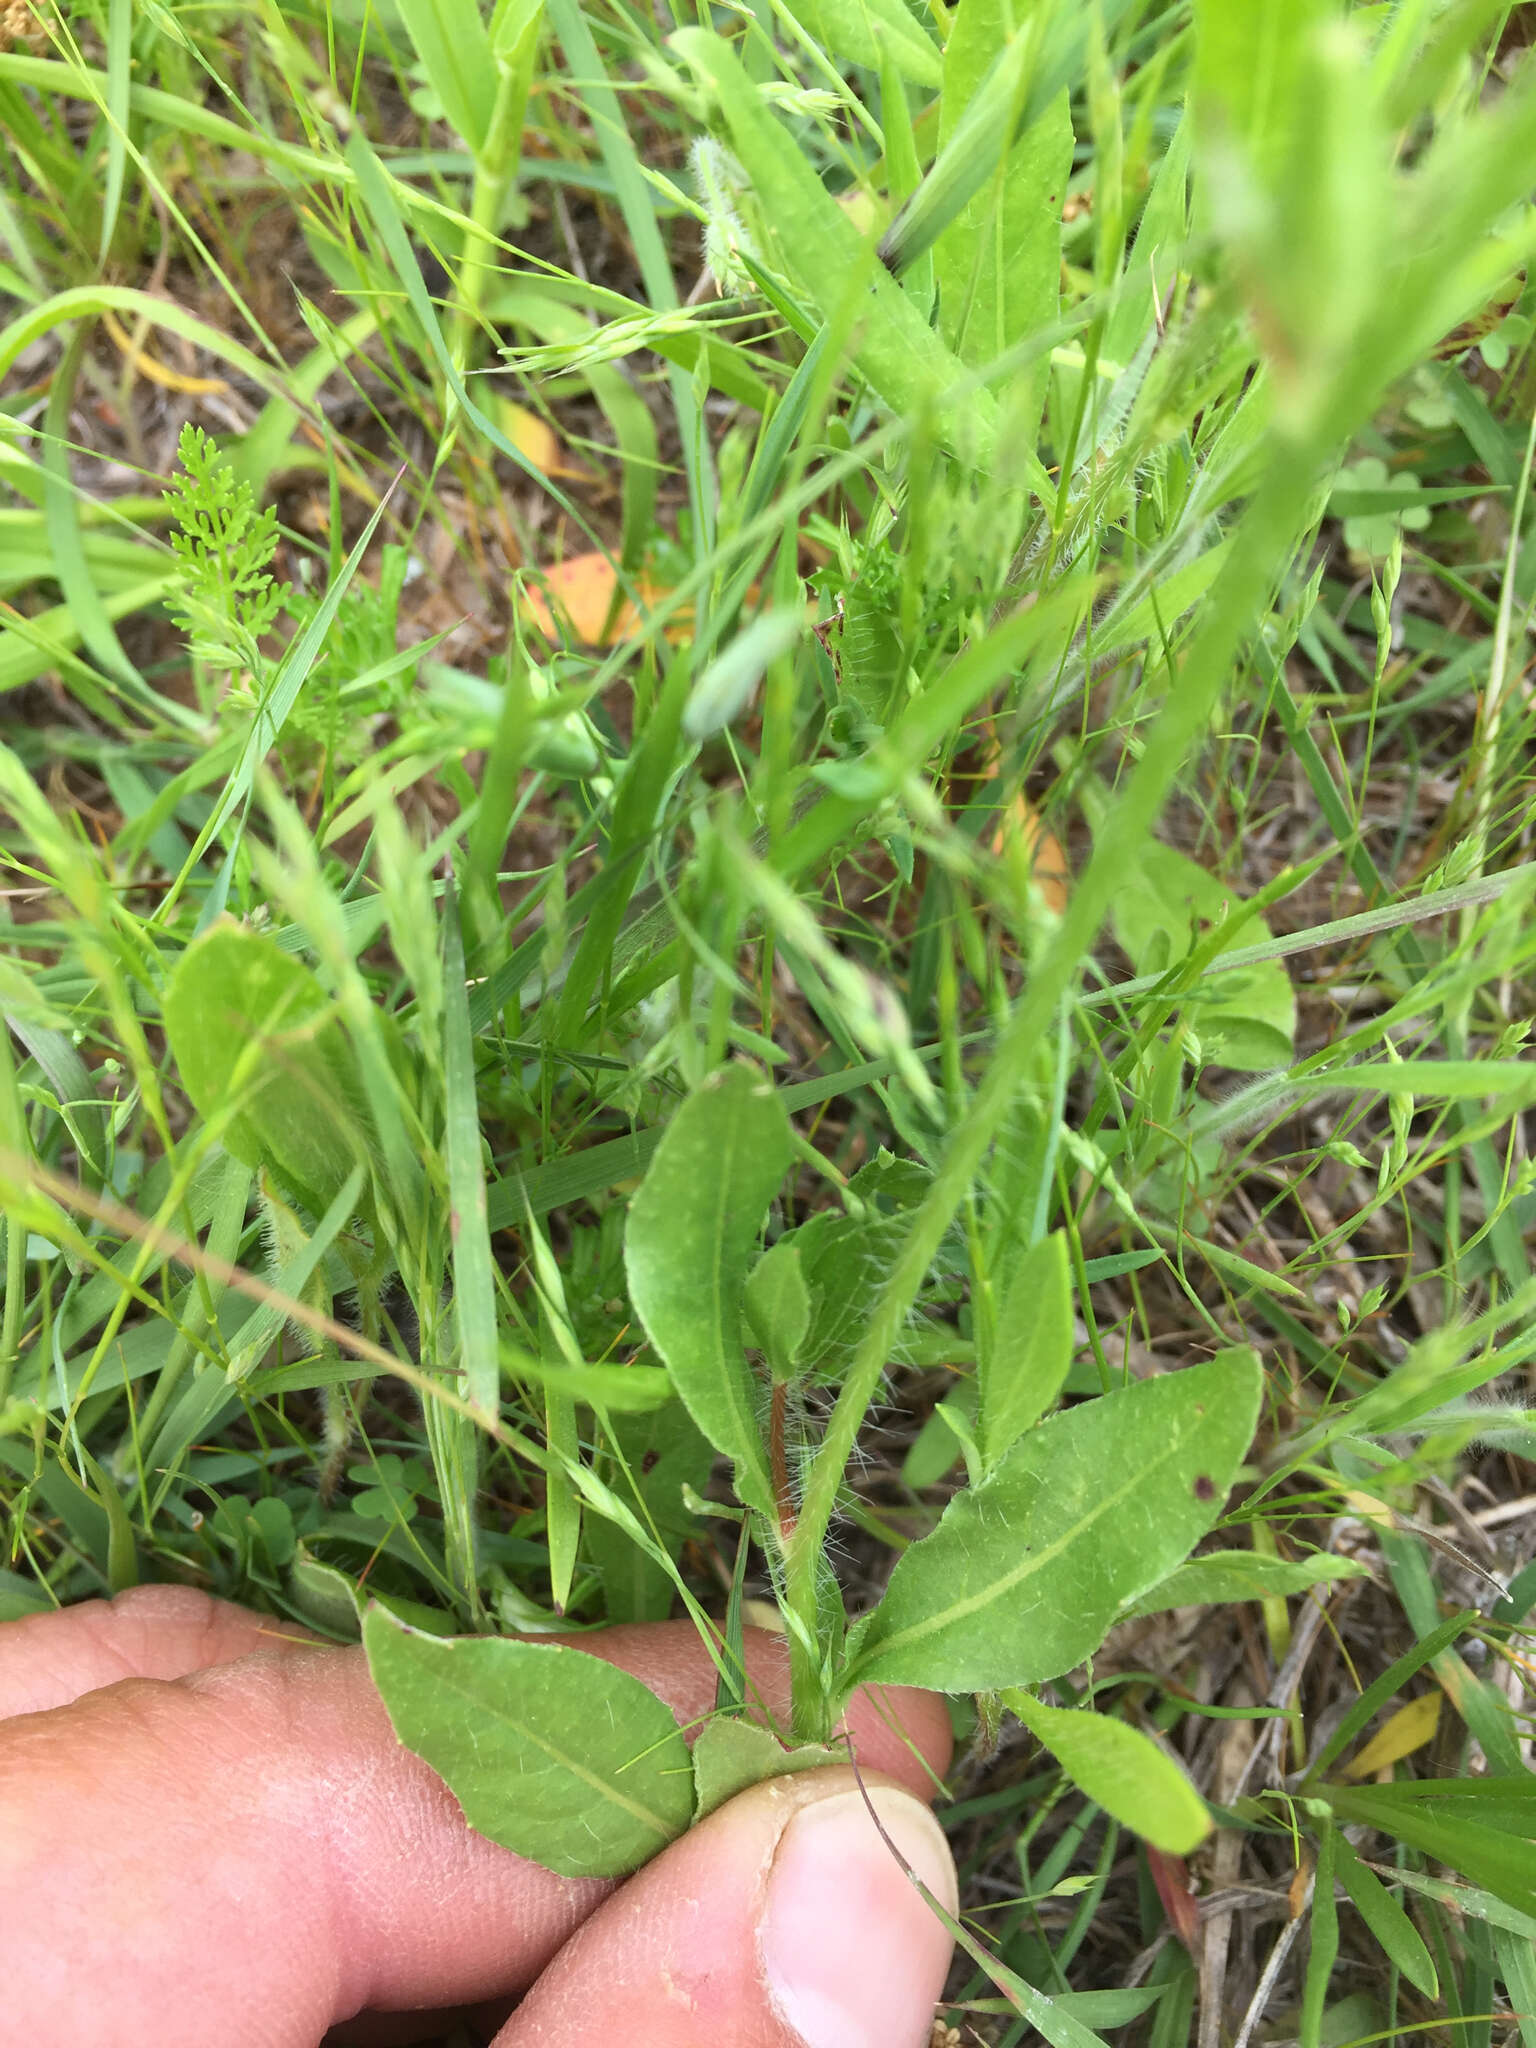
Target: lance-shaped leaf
1025,1572
1024,1366
1242,1575
1121,1769
691,1233
549,1750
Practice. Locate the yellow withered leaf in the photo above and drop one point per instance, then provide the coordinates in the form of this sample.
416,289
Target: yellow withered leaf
1410,1728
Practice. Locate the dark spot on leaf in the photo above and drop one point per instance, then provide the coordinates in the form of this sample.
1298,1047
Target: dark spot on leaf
1205,1487
650,1461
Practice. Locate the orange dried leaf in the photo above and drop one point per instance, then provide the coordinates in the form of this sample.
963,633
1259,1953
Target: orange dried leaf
1024,825
578,598
536,439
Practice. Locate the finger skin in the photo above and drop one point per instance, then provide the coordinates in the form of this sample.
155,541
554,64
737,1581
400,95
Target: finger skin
675,1959
48,1660
246,1854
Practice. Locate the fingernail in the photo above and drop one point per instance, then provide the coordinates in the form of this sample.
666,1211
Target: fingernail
853,1955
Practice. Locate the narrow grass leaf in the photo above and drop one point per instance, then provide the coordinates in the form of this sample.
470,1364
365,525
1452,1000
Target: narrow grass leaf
1325,1943
1468,1899
625,1389
1498,1857
1517,1961
474,1271
115,111
1399,1938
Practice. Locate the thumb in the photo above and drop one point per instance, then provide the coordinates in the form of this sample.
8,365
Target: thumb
784,1920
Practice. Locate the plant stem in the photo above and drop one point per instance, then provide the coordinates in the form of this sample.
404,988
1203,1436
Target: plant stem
14,1125
1265,537
496,171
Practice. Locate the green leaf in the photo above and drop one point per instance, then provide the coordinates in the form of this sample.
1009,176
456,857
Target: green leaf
1245,1016
727,685
998,263
779,1305
1325,1942
847,1261
1493,1850
474,1265
626,1389
865,31
1025,1572
1477,1905
251,1029
1238,1575
551,1752
691,1231
454,47
99,1486
816,244
663,1453
1121,1770
1024,1368
1386,1919
1517,1962
1038,62
731,1754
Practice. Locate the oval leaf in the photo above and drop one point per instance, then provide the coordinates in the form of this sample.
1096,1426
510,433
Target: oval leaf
237,1004
779,1305
691,1231
731,1754
550,1751
1025,1572
1121,1770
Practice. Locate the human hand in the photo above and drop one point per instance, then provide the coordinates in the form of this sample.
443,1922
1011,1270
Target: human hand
210,1835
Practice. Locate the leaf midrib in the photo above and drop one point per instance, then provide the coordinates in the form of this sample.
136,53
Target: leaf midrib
601,1785
919,1631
